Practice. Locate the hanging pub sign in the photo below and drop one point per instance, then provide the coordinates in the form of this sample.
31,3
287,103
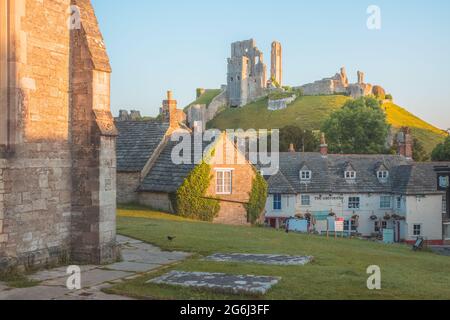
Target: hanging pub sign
444,182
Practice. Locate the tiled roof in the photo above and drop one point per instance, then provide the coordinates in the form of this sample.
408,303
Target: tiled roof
279,184
406,177
165,175
136,142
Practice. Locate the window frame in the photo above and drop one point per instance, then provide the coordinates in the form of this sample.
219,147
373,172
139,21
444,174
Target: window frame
221,187
350,175
414,230
384,198
303,197
307,173
353,203
383,175
277,202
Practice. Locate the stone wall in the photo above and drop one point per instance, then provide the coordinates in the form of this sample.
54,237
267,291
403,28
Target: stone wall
127,184
57,178
156,200
247,74
280,104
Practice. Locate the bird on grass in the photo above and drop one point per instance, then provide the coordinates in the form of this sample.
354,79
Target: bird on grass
171,238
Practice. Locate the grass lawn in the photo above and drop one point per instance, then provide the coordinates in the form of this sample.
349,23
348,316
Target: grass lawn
338,272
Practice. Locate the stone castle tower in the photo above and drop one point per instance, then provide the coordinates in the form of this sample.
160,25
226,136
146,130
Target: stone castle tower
57,136
276,67
247,73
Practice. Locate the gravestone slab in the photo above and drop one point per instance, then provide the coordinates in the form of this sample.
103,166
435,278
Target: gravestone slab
219,282
269,259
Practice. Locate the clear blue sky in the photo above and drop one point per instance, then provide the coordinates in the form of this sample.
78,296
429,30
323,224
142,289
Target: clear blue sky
156,45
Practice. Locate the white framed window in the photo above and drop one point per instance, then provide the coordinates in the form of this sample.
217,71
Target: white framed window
383,175
224,181
354,202
417,230
277,201
350,175
306,200
385,202
305,175
447,231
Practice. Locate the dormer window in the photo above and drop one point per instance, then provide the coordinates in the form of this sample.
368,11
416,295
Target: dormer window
383,175
305,175
350,175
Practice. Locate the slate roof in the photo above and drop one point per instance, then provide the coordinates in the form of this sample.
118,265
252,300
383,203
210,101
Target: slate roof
279,184
405,176
165,175
136,142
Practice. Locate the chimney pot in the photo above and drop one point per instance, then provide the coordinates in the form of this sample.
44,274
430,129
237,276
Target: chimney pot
291,148
323,145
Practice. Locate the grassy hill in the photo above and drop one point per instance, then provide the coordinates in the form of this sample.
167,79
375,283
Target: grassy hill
338,270
309,112
206,97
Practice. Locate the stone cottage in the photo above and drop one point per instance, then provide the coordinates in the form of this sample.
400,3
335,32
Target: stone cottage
148,175
57,136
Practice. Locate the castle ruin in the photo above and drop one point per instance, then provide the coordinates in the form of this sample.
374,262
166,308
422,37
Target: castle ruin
247,77
276,63
339,84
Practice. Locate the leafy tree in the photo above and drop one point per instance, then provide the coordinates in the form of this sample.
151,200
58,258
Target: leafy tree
359,127
442,151
299,137
258,198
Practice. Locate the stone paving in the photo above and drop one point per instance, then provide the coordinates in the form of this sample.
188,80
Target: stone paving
137,258
219,282
280,260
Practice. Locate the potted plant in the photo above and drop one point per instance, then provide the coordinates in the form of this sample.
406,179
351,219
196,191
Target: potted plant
387,217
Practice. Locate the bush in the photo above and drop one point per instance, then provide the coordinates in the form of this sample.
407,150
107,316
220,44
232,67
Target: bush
389,97
190,201
258,198
442,151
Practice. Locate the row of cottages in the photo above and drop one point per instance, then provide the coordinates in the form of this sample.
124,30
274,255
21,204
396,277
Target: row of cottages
371,193
147,174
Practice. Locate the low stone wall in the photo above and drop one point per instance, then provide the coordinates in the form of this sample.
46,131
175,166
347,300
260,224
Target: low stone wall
232,214
127,183
280,104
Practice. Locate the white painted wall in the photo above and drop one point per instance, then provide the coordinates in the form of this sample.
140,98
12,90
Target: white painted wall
287,207
426,211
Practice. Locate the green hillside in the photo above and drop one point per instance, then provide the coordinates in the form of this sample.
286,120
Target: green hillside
309,112
206,97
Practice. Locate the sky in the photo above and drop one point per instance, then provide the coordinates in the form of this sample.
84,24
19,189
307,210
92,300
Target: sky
160,45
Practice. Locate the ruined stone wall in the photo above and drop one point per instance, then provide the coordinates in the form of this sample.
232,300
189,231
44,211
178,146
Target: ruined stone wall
156,201
276,64
247,73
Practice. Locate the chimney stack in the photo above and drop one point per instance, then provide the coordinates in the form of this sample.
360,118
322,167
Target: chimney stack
169,110
405,143
323,145
291,148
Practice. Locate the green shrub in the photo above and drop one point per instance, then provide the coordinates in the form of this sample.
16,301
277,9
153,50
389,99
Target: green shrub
389,97
258,198
190,201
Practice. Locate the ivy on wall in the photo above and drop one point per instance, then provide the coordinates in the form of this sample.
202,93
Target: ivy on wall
190,201
258,198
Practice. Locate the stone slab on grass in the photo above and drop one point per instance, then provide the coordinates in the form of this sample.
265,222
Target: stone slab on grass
269,259
219,282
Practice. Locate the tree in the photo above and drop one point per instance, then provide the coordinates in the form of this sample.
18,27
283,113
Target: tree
359,127
442,151
302,139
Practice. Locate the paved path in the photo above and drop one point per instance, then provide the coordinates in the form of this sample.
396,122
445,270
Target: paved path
137,258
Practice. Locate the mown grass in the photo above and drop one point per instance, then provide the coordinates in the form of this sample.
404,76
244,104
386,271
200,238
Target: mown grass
338,272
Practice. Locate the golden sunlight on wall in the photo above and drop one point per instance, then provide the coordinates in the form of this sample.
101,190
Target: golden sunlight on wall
3,71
